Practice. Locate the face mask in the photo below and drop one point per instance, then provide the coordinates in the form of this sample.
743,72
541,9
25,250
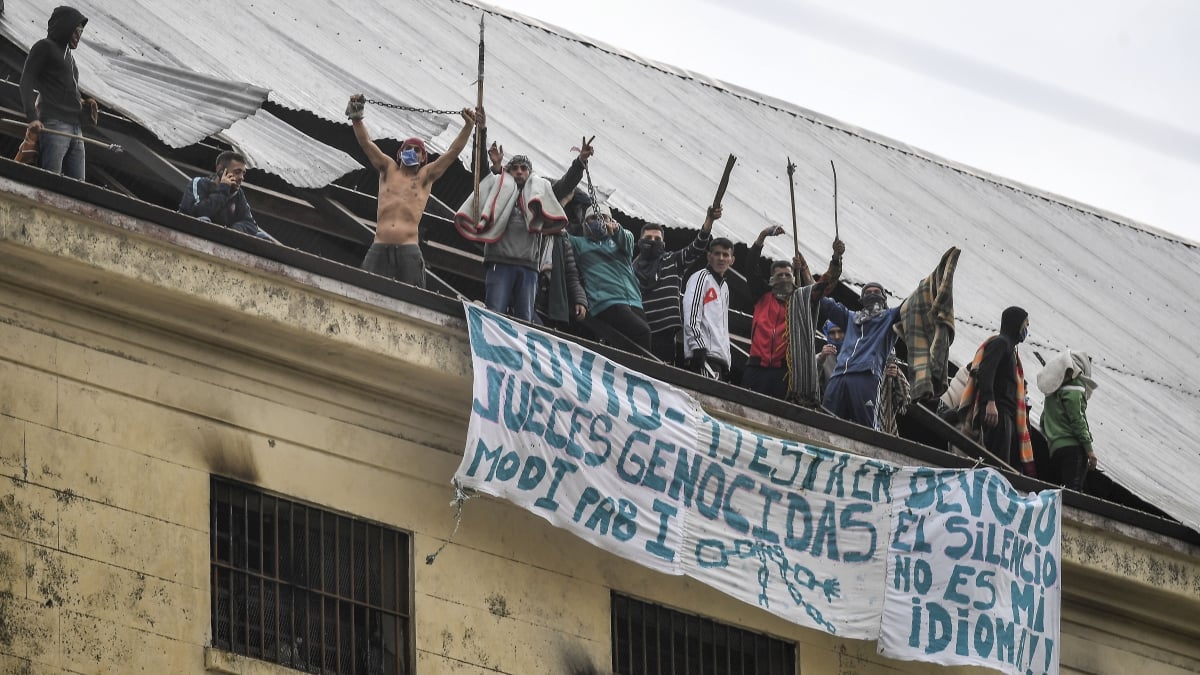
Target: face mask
409,157
783,287
872,299
651,247
1024,334
595,229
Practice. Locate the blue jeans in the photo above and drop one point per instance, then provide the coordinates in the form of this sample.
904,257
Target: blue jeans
61,154
513,286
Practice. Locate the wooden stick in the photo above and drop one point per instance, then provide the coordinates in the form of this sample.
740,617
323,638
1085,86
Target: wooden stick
90,141
724,182
478,109
791,171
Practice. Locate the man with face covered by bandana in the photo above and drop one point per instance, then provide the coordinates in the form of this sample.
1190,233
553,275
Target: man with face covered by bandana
660,277
853,389
50,94
827,357
604,255
995,396
772,340
404,186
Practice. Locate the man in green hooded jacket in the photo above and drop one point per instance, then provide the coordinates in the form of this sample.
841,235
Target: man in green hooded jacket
1066,380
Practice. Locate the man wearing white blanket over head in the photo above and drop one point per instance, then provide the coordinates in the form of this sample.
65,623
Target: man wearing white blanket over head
516,210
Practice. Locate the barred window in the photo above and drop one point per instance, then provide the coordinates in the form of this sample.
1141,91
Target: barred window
654,640
307,588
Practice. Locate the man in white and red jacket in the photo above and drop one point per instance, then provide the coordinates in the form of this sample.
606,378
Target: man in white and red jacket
706,314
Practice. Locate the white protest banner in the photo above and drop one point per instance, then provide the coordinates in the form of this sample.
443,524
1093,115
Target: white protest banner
576,439
948,566
974,574
636,467
796,529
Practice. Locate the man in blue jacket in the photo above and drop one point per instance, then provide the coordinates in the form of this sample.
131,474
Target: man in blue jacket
219,198
853,389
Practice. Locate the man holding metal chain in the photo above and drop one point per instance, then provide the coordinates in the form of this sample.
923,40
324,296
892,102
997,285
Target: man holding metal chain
404,186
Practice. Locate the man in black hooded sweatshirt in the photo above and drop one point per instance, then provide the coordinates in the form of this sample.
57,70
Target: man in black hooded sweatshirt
998,399
50,70
660,275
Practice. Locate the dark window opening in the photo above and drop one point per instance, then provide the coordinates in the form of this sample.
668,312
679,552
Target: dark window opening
651,639
307,588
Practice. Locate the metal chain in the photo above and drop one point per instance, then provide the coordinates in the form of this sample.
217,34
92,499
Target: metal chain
592,190
397,106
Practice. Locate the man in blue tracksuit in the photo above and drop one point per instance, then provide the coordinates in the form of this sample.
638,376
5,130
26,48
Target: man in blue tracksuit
853,388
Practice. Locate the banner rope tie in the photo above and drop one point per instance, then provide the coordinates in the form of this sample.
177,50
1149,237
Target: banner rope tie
460,497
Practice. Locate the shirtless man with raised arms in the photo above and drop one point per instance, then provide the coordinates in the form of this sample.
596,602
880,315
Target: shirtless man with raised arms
404,185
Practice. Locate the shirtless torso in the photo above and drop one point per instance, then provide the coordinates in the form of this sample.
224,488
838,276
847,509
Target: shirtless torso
403,193
404,190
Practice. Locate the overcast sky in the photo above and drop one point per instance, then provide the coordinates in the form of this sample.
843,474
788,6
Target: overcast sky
1094,100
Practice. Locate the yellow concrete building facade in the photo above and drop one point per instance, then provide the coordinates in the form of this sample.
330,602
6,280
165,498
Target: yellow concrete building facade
166,399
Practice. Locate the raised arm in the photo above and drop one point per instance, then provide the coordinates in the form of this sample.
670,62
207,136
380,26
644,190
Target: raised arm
826,282
480,150
437,167
496,158
752,266
566,185
804,275
354,110
699,245
712,215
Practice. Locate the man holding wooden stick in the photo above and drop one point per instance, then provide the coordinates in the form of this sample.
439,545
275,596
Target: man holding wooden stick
706,301
57,106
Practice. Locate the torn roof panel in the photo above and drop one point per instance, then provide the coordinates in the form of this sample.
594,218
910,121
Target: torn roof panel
273,146
178,106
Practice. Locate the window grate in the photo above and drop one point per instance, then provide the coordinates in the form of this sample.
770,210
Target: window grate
651,639
306,588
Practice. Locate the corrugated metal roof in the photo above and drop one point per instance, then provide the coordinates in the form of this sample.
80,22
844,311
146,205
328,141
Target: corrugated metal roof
180,107
177,104
1091,282
272,145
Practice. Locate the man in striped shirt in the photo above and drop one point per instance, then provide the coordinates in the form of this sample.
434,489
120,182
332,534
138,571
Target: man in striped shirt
660,276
